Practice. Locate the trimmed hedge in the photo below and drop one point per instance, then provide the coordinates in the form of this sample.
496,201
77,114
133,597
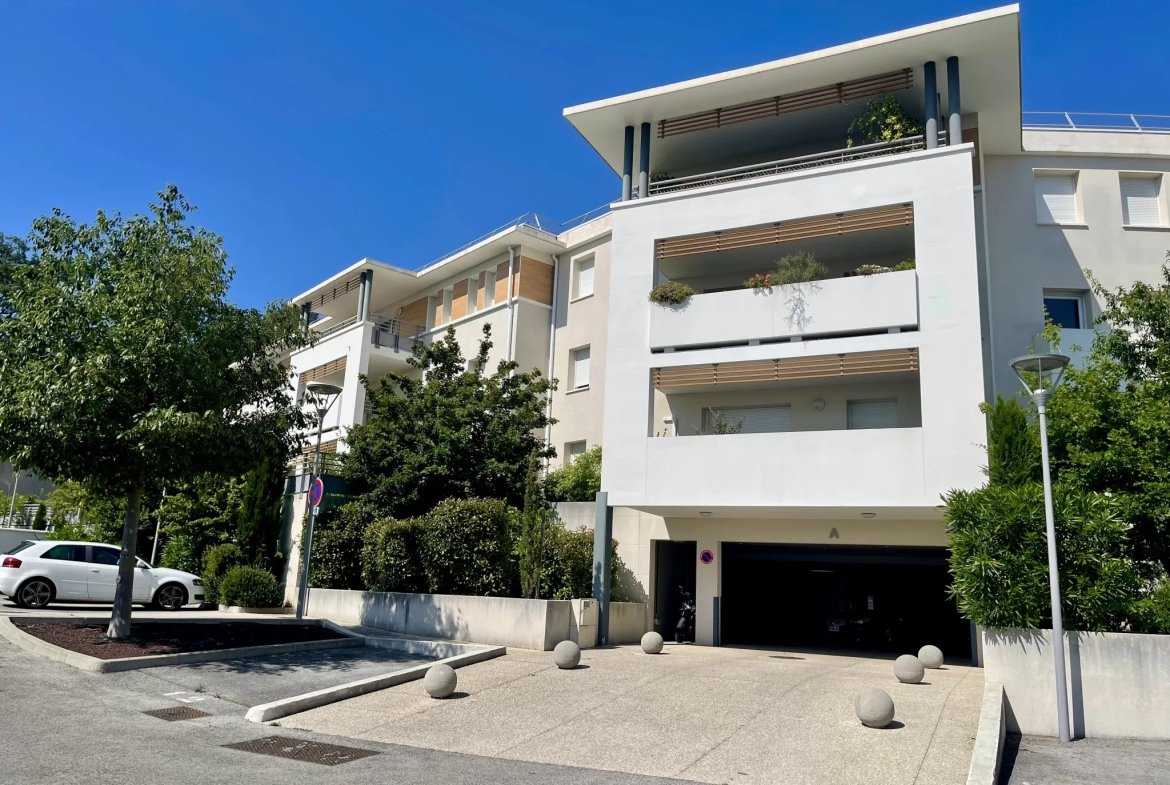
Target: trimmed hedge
467,548
338,538
250,587
392,556
218,560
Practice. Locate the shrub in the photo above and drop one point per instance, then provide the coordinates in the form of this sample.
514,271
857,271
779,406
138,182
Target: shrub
798,267
1151,613
338,539
218,560
882,120
905,264
999,558
671,293
568,568
250,587
1013,445
41,520
872,269
578,481
467,548
392,556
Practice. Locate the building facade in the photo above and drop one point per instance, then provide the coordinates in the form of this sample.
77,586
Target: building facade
780,453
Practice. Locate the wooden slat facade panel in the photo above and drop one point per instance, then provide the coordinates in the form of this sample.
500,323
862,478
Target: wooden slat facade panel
480,291
459,300
535,281
502,282
327,448
786,231
414,313
439,307
321,371
795,369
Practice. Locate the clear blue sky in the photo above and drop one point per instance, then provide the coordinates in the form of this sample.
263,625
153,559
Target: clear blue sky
311,134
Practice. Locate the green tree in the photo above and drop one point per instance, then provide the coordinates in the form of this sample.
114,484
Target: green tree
125,368
197,515
882,120
1013,445
530,537
578,481
447,430
259,521
41,519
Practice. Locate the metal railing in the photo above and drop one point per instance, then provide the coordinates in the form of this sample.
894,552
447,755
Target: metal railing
344,324
390,333
1097,121
535,221
332,464
829,158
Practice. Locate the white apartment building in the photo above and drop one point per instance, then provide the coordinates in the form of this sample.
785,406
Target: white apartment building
855,397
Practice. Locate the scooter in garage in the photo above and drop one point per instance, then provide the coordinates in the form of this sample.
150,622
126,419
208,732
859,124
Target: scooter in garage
685,629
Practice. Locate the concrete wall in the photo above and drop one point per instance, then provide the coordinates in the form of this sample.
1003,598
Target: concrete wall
1119,684
498,621
10,538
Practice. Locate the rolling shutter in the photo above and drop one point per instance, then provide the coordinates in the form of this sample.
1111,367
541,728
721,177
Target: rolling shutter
585,278
873,414
581,368
1139,201
758,419
1056,199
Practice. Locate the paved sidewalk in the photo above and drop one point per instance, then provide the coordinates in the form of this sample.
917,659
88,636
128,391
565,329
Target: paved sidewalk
718,715
1037,760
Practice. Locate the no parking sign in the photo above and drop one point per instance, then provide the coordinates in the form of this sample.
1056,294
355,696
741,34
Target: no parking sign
316,492
706,557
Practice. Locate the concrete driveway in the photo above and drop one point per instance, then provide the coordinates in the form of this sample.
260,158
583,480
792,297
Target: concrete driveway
719,715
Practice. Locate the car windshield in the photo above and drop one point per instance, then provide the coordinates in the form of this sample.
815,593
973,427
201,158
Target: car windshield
21,547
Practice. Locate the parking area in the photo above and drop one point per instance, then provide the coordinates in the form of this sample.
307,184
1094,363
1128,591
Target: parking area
719,715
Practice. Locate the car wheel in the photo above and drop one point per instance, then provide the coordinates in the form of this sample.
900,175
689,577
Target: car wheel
34,593
171,597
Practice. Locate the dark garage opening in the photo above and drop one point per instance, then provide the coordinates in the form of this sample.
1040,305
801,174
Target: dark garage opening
863,598
675,573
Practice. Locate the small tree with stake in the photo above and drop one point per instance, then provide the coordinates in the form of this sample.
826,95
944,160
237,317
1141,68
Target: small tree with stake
125,367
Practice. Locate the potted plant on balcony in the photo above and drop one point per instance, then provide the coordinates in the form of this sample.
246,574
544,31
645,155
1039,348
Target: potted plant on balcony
798,267
882,120
671,293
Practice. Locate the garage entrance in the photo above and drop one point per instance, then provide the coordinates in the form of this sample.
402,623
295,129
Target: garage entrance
869,598
674,572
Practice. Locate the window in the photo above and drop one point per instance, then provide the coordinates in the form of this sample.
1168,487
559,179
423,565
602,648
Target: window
581,368
1140,200
1056,198
1065,309
573,451
23,546
65,553
104,555
752,419
873,414
584,278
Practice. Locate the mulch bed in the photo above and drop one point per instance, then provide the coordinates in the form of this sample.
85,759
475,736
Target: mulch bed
153,638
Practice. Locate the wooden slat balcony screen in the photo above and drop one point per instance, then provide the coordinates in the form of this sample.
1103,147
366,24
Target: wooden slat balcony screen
327,448
792,102
321,371
786,231
791,369
337,291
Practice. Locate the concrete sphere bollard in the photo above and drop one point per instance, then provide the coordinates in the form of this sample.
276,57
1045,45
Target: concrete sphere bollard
908,669
567,655
652,642
931,656
440,681
874,708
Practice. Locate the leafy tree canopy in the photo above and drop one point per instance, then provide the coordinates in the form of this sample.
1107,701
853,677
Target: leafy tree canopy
579,481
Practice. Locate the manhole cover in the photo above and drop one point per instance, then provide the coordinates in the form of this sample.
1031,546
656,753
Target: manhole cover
298,749
173,713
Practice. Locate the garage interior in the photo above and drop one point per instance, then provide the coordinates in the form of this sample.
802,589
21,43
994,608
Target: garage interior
860,598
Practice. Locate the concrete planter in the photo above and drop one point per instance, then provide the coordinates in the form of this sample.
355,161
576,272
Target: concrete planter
496,621
240,609
1119,683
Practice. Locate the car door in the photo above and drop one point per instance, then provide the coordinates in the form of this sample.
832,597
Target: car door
65,566
103,572
143,581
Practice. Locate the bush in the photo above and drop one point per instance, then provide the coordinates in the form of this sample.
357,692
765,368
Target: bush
467,548
338,539
250,587
41,520
1013,445
671,293
578,481
218,560
798,267
905,264
999,558
1151,613
882,120
392,556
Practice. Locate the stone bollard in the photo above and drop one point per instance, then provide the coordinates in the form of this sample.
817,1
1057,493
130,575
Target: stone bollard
931,656
652,643
567,655
908,669
440,681
874,708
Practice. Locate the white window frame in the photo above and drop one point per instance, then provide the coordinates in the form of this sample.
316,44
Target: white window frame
569,456
574,361
1041,206
1069,294
1159,199
577,263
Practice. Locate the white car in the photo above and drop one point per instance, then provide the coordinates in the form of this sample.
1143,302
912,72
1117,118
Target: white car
35,574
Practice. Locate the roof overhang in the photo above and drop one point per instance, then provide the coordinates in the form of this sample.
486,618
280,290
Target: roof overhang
987,45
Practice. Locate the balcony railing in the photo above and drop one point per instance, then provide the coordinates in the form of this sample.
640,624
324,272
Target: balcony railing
396,334
1097,121
344,324
332,464
859,153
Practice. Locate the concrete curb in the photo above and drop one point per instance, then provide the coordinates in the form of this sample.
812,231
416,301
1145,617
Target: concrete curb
267,611
988,754
35,645
266,712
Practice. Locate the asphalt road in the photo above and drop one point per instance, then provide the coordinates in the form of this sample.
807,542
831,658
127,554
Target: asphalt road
62,725
1036,760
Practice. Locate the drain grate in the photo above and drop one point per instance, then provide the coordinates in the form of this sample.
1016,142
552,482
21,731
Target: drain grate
174,713
298,749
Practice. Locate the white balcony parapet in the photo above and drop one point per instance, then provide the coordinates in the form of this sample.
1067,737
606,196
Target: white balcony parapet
856,305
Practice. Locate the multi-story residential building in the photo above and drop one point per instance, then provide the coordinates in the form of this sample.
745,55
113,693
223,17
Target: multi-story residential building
781,453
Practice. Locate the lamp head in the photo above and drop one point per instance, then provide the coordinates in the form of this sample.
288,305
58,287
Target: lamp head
323,394
1040,374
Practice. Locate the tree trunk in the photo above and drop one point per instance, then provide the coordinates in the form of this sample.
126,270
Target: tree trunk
127,562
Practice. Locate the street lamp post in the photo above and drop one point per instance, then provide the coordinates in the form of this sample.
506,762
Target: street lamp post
1045,371
324,395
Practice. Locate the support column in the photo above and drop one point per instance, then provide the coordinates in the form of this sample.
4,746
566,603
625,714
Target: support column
369,294
307,314
628,163
361,309
931,105
644,163
602,563
954,104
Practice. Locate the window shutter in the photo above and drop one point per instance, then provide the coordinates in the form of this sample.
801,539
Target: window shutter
581,368
758,419
1056,199
873,414
1139,201
585,278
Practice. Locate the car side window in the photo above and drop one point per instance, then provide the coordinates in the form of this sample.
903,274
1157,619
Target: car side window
65,553
104,556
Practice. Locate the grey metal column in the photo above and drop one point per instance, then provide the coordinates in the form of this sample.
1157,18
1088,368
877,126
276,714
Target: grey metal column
602,563
369,294
628,163
361,309
954,104
931,105
644,163
307,313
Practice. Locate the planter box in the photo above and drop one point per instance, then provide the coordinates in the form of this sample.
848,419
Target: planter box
495,621
1119,683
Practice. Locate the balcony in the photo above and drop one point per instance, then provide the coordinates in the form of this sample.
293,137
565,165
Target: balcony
840,306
